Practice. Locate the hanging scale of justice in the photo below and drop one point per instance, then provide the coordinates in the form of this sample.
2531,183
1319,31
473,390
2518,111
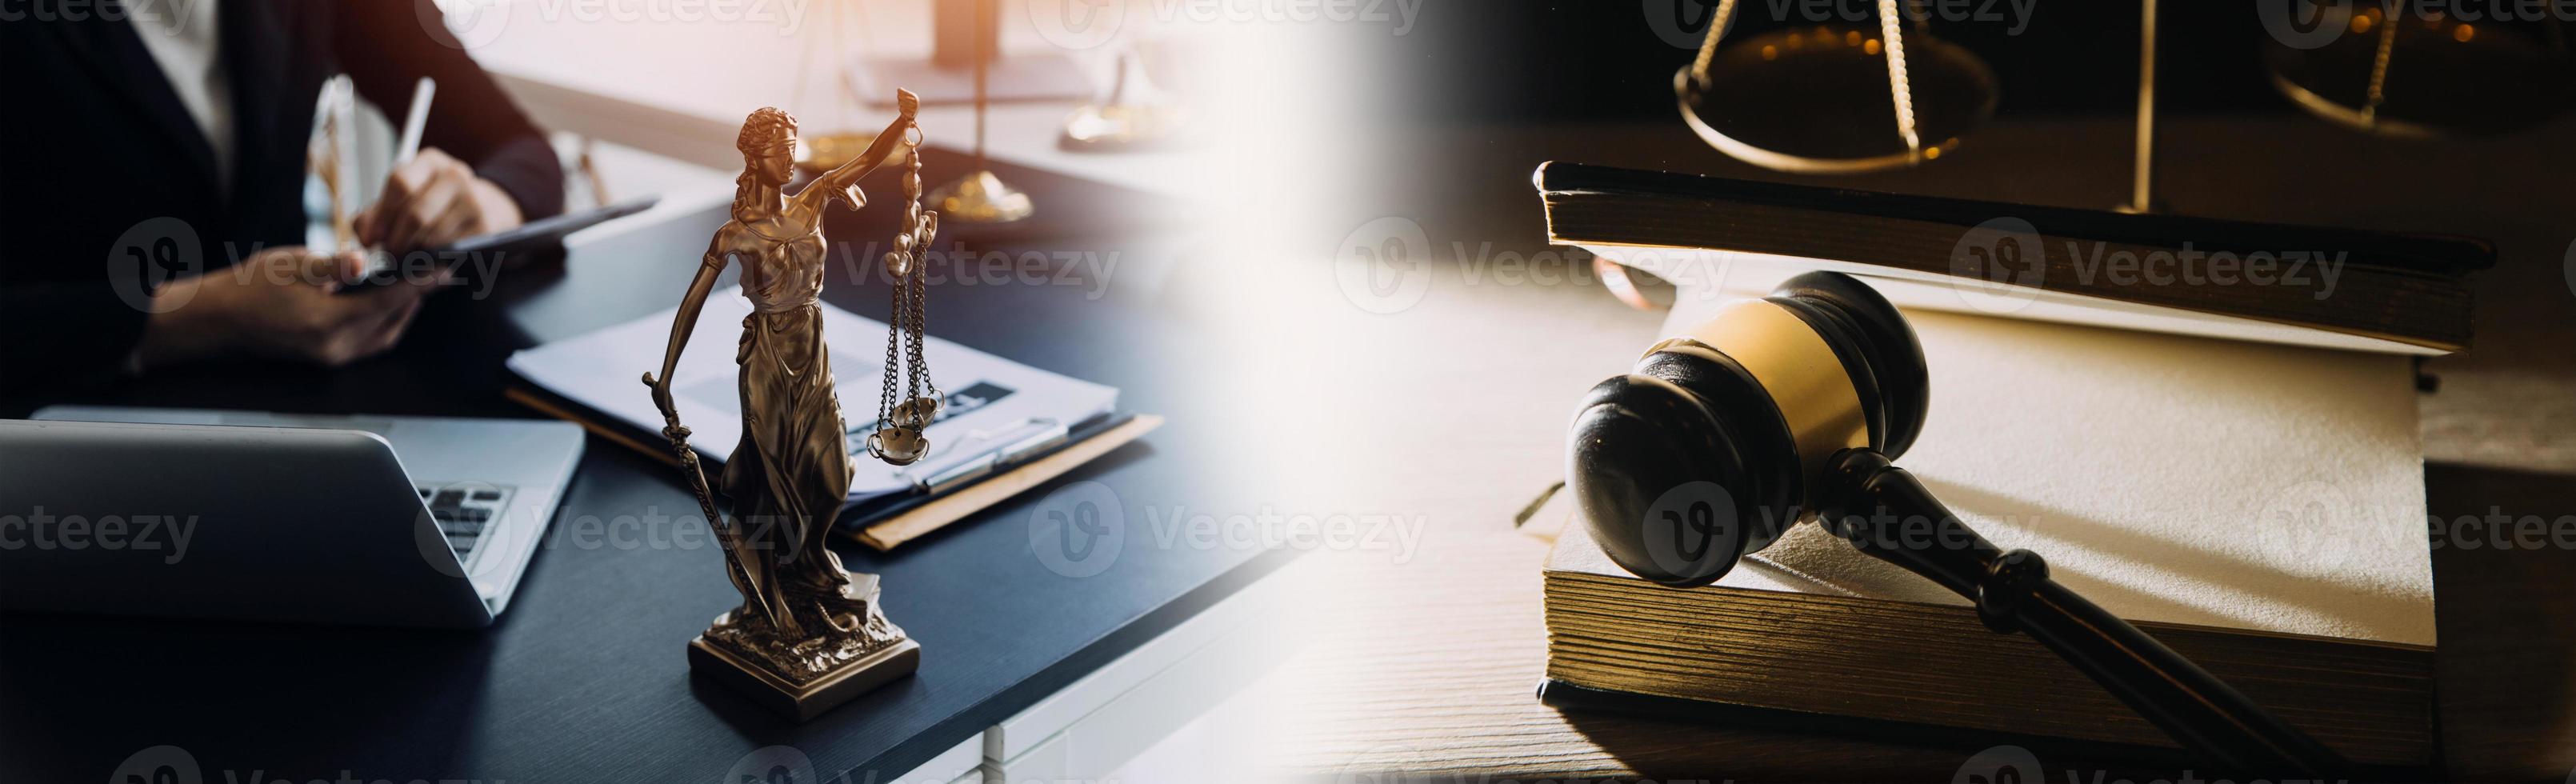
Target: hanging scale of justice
906,409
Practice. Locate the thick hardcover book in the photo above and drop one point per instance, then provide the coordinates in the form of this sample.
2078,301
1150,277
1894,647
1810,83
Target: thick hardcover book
2258,508
2401,293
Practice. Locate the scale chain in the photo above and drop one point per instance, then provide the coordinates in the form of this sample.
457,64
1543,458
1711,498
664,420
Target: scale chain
906,328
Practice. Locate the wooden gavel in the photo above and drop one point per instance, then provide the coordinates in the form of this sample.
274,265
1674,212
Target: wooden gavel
1794,405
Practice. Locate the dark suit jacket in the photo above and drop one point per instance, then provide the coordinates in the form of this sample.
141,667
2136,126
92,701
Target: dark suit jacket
107,187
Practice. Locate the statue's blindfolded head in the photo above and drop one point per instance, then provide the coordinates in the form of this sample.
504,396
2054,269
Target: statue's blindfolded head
766,131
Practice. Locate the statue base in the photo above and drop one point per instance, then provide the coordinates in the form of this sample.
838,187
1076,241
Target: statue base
808,699
805,677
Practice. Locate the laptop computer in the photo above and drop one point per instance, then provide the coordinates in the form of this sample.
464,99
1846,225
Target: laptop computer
404,521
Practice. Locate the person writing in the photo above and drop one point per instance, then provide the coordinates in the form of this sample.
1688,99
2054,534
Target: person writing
174,133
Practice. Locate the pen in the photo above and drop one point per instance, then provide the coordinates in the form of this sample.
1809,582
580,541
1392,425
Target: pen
413,122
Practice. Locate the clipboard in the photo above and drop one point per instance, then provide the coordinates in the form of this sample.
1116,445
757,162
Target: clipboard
886,523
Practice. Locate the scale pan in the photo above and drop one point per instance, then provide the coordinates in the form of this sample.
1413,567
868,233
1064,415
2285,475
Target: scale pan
1817,101
2443,77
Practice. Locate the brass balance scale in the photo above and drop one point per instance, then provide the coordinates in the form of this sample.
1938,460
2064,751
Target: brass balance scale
1806,100
980,197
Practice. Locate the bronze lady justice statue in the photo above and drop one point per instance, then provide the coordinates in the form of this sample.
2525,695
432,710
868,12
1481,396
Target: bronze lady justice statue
809,634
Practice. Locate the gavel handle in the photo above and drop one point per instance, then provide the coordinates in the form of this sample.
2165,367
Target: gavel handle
1888,514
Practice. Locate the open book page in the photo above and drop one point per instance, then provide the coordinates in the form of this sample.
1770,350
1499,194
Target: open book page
1751,274
991,402
2168,478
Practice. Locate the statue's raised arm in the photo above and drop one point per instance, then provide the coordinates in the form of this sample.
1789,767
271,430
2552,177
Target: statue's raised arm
842,182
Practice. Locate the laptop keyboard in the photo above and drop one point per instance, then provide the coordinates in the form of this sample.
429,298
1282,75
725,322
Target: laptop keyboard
464,512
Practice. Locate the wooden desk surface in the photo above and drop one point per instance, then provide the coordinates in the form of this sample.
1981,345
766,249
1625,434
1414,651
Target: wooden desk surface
1431,671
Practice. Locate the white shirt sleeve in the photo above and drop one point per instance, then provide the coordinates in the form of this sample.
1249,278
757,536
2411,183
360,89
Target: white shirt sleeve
183,38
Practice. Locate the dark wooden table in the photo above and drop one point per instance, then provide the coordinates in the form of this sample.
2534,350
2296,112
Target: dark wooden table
583,678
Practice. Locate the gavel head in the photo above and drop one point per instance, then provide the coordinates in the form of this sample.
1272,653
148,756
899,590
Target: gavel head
1710,448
